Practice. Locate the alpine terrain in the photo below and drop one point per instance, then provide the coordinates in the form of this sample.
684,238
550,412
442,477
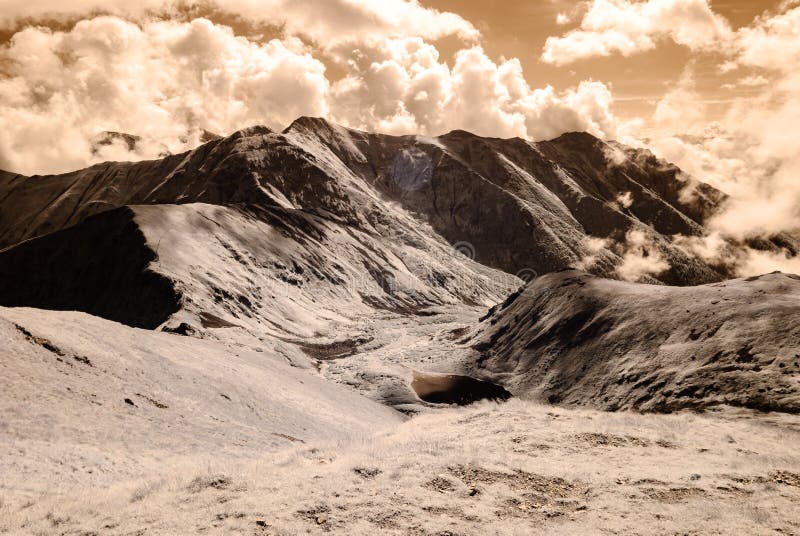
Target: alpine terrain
324,330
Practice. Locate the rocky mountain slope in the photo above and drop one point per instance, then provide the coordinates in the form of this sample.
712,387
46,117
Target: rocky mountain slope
269,270
308,235
265,311
511,204
573,338
282,232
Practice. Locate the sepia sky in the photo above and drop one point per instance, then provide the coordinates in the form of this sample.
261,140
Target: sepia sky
520,28
711,85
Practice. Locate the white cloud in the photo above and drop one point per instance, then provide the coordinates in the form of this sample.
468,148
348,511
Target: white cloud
402,86
771,42
162,81
738,259
680,106
592,247
751,153
629,27
166,81
763,262
640,257
327,22
625,199
747,155
753,81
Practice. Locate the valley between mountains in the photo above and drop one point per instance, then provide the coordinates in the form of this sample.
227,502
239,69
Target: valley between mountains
323,330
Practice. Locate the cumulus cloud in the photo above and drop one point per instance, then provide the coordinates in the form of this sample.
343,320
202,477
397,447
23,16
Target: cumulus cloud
680,106
629,27
751,153
166,81
772,41
748,153
162,81
402,86
326,22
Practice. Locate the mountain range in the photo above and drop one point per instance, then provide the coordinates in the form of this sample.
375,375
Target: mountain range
302,236
402,211
264,335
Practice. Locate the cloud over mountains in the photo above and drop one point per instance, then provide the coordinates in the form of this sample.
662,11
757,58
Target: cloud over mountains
167,72
165,76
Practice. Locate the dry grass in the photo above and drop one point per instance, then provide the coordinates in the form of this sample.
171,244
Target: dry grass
516,468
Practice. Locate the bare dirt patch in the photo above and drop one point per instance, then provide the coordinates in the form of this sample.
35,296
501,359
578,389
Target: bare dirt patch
538,495
673,495
202,483
610,440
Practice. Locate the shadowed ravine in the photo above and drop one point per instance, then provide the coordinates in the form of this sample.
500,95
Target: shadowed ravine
455,389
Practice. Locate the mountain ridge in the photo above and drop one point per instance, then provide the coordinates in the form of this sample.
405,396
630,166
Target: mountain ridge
558,194
576,339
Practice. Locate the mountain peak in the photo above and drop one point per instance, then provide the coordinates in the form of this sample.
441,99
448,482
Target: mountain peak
577,138
207,136
255,130
306,122
557,193
460,133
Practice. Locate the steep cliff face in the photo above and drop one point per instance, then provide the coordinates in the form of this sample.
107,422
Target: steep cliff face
524,206
573,338
101,266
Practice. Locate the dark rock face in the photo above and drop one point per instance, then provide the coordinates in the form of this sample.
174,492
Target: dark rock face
528,206
100,266
519,205
573,338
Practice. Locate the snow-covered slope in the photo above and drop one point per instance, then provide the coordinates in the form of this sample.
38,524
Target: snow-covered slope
573,338
285,271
